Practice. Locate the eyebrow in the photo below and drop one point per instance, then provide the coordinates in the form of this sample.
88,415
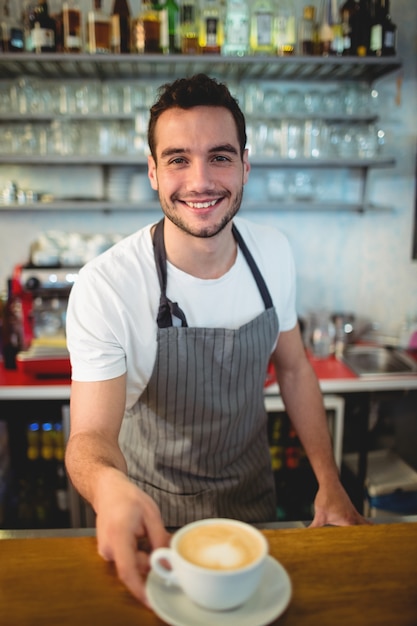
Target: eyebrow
227,147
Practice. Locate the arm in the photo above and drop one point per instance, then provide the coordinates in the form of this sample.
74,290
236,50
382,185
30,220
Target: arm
303,401
97,468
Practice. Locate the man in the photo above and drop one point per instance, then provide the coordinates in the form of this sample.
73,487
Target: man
170,334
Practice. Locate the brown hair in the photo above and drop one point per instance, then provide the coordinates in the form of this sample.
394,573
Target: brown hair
199,90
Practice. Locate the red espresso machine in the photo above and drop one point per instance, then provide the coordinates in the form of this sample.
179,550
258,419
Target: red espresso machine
42,296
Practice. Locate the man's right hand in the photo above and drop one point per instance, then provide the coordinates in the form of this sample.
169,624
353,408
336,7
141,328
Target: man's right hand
129,526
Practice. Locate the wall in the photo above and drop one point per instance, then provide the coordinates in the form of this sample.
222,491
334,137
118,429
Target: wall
356,262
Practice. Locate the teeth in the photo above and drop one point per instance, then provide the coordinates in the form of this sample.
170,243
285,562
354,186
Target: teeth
201,205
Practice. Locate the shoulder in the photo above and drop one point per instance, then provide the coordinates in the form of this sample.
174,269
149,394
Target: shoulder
135,249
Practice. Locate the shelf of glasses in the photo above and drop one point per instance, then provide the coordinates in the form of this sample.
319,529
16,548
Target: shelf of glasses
141,161
157,66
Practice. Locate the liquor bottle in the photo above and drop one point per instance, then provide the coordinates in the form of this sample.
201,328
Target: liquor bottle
211,27
189,27
43,29
361,29
120,27
12,339
236,36
285,28
375,43
71,27
306,31
62,515
12,37
170,27
336,26
389,31
146,30
98,30
326,31
262,24
347,10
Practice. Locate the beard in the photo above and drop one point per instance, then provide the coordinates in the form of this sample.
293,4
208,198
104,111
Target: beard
203,232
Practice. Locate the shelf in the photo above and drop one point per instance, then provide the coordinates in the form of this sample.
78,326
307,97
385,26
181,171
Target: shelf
140,161
156,66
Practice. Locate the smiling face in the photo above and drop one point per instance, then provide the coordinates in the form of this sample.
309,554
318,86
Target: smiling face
198,172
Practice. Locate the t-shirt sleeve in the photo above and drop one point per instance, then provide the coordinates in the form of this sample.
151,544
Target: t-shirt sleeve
95,352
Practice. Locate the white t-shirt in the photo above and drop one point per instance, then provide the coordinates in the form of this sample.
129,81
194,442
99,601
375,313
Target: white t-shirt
111,327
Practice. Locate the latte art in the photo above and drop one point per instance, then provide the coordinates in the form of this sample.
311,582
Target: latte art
219,547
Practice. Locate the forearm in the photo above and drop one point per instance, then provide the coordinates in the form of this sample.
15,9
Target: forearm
90,460
304,404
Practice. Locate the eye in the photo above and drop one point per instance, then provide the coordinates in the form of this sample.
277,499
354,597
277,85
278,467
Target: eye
221,158
177,161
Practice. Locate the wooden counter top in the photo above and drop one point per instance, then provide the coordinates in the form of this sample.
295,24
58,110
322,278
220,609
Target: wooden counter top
363,575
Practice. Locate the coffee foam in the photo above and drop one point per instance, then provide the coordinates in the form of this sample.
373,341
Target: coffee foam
219,547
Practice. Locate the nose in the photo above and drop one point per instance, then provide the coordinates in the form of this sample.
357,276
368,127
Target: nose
200,177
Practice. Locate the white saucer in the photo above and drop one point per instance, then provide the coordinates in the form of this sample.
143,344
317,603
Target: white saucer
267,603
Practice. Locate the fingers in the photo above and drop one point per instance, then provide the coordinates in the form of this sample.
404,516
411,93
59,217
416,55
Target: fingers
131,565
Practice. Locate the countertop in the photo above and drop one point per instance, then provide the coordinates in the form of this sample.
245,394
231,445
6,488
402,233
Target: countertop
334,377
361,575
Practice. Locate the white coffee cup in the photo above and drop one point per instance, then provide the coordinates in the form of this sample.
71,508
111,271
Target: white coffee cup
218,563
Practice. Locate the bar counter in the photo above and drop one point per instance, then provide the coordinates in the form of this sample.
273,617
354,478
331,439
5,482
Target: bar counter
360,575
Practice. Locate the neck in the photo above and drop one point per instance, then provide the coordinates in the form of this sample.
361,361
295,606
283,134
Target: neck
206,258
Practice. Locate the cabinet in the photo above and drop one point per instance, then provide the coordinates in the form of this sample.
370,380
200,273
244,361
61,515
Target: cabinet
113,138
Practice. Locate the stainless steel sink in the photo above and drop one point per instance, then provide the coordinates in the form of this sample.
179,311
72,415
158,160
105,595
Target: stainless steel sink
379,361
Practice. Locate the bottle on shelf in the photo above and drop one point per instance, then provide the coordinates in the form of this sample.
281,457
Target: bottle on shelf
285,28
146,30
12,38
306,31
120,27
361,29
98,30
262,28
236,36
189,27
347,10
383,39
61,500
72,40
336,26
43,29
170,27
211,32
325,32
12,339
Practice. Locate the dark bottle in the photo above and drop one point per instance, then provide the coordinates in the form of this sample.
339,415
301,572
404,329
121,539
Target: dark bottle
389,31
361,29
347,11
12,38
43,29
120,27
12,328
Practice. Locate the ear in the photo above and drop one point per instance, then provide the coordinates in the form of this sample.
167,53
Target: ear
152,173
246,166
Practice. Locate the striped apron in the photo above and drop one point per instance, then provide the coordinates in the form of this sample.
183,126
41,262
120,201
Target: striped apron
196,439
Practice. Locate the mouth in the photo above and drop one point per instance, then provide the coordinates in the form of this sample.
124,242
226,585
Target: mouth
208,204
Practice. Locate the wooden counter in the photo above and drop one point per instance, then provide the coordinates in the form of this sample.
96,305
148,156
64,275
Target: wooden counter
363,575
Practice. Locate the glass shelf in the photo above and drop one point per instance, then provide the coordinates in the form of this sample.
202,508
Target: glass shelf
157,66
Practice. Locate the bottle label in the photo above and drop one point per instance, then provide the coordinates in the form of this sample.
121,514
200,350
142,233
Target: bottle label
43,38
376,38
390,39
